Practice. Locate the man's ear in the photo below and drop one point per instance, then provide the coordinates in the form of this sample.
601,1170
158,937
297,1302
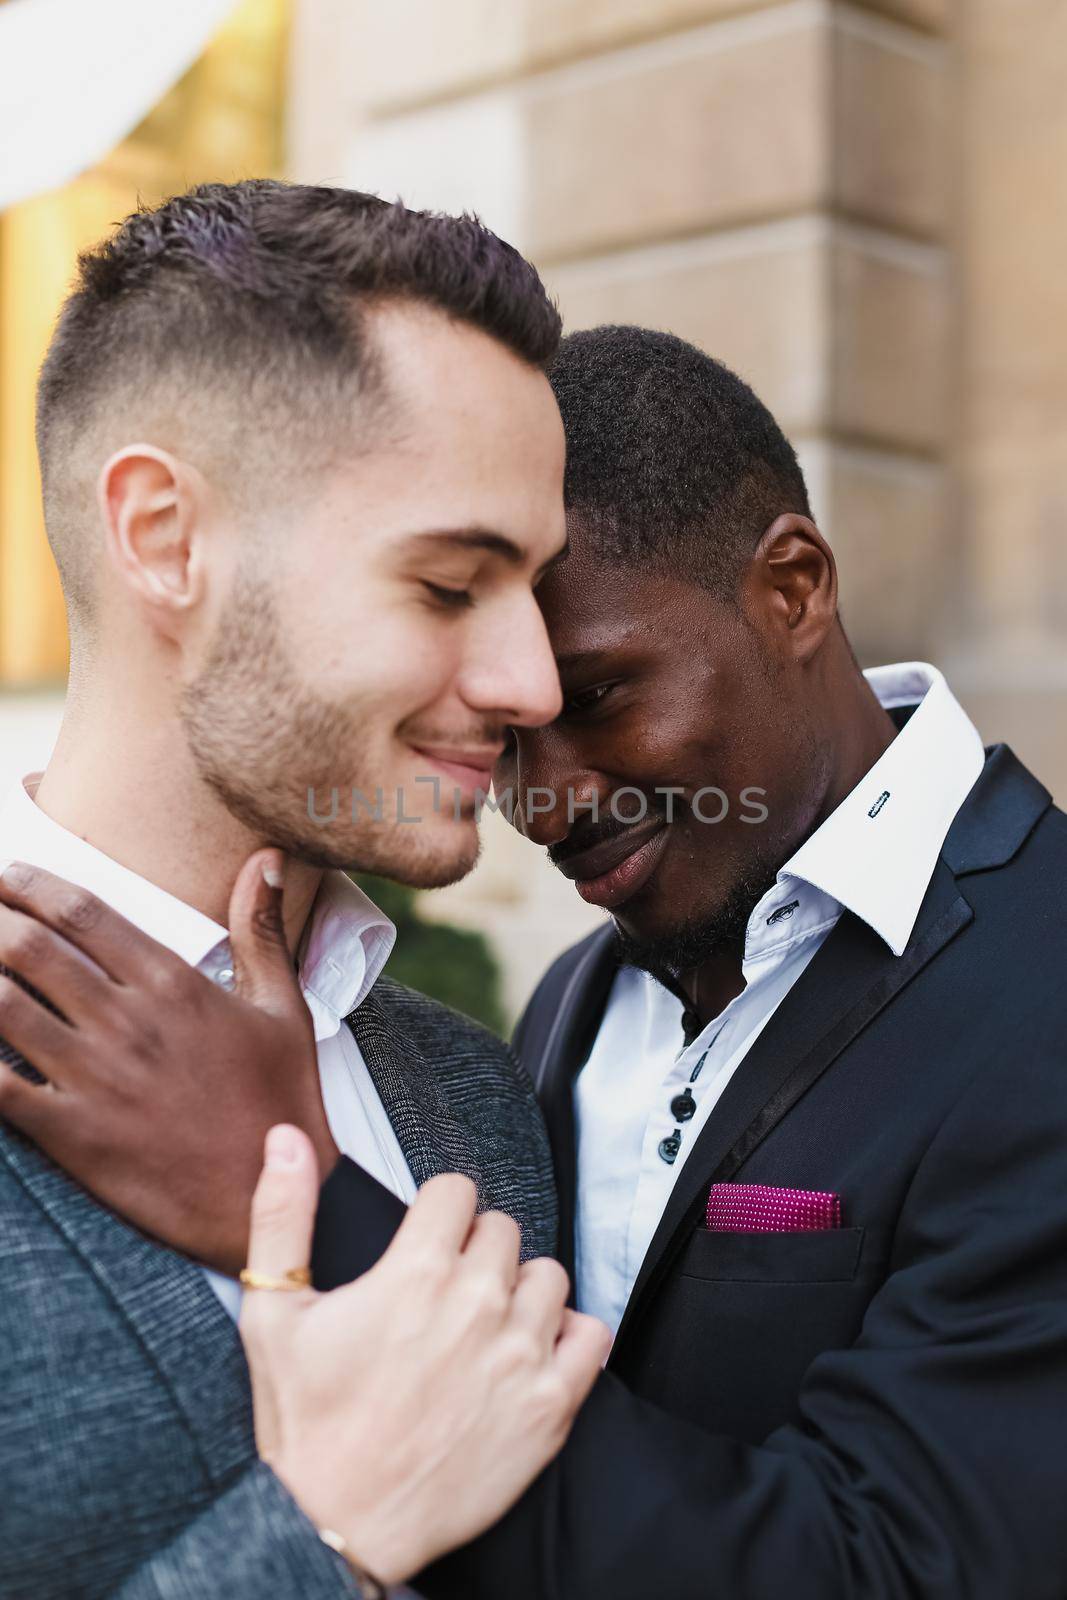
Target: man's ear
792,581
153,506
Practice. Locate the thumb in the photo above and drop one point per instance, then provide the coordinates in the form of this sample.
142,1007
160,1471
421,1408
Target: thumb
283,1214
284,1204
262,965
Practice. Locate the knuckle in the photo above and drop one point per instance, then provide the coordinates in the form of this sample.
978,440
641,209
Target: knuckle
28,946
522,1349
10,997
174,983
78,912
141,1037
420,1271
429,1268
592,1327
488,1295
549,1280
594,1338
551,1401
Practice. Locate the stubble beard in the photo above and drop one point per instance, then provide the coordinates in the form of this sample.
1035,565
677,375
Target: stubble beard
684,948
262,739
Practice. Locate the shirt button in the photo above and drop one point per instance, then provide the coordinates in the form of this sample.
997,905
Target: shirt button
669,1147
683,1106
226,977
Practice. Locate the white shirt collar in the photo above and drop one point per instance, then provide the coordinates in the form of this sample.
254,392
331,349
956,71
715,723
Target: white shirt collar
345,945
876,853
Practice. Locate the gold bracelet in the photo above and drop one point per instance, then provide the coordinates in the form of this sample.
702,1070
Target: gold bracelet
370,1587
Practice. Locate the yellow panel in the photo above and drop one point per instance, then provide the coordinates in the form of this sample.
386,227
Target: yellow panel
222,121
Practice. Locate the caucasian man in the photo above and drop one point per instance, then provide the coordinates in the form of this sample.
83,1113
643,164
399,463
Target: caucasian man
284,433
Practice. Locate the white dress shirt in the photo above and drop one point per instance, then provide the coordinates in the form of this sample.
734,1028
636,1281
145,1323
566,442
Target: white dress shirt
345,945
875,854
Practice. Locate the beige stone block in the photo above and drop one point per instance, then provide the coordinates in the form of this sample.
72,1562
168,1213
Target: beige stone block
466,155
1030,717
935,16
839,330
561,28
427,49
889,128
783,110
722,127
1015,523
787,109
885,517
412,51
889,347
320,97
1014,314
755,300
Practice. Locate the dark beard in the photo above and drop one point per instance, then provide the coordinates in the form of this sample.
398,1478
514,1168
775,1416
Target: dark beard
687,947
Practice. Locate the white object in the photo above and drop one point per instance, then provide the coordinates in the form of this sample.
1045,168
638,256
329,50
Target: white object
76,76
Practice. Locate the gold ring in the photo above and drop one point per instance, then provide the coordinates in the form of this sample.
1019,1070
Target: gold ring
297,1278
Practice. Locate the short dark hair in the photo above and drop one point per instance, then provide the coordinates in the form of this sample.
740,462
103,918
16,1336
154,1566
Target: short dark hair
255,290
672,461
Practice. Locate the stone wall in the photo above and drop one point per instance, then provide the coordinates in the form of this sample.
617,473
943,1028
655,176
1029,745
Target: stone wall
1007,610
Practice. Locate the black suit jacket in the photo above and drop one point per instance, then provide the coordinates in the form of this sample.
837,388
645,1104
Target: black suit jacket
869,1413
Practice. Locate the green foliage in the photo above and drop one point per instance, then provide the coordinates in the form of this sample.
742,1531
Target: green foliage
454,965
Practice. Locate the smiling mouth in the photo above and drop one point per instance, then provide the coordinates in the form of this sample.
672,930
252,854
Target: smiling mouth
609,873
468,770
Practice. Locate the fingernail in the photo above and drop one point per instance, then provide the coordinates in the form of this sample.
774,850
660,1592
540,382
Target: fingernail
15,874
274,872
282,1147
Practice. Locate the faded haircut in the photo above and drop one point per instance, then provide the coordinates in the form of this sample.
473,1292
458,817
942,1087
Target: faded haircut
231,321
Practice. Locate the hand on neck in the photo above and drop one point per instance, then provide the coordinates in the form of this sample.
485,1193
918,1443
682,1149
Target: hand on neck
131,790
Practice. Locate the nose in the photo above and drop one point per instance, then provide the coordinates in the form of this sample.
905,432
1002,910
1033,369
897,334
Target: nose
551,791
510,674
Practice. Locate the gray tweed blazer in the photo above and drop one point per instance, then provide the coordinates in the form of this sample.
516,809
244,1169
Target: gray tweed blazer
127,1456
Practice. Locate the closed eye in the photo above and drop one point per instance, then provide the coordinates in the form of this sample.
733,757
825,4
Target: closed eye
586,699
451,599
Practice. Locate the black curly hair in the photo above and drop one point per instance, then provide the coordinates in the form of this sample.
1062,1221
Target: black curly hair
672,461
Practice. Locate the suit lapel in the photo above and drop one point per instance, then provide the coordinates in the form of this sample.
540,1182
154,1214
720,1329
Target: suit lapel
407,1086
846,985
167,1303
578,1016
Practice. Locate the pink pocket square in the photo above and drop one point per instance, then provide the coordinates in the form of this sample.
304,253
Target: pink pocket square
761,1208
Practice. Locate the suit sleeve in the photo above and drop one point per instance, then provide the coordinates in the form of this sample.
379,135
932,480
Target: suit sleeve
930,1458
253,1541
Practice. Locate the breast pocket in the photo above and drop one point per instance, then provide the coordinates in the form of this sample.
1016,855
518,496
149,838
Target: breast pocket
740,1317
830,1255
